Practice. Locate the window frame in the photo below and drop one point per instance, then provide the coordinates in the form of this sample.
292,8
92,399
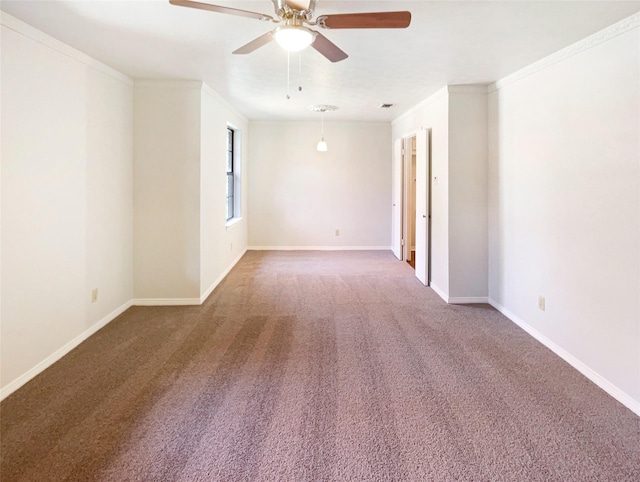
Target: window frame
231,174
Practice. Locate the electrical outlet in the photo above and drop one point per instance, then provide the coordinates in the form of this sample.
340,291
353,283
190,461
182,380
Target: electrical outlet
337,232
541,303
94,295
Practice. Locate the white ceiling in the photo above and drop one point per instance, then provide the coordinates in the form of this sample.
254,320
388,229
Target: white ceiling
448,42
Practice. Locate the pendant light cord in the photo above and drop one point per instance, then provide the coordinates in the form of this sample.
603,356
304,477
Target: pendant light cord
299,71
288,74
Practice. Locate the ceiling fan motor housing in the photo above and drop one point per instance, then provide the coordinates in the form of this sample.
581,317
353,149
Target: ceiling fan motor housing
302,9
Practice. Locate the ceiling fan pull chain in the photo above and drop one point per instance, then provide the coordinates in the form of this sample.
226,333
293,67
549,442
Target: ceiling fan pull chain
288,75
299,71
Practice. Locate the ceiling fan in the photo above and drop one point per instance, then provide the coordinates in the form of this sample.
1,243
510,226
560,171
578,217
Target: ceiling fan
294,16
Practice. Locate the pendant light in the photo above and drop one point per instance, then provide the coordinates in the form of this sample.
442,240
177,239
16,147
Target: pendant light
322,144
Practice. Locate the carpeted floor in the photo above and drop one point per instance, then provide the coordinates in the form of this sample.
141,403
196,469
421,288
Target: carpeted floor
310,366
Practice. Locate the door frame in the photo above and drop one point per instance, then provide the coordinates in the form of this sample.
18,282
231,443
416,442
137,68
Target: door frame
409,222
423,206
400,179
397,203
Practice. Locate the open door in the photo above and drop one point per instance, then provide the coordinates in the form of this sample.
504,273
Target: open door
396,195
409,200
422,205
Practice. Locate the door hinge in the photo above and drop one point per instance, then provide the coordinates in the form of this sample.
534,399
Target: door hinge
403,242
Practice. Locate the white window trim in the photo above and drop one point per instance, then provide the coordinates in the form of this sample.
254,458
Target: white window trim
232,222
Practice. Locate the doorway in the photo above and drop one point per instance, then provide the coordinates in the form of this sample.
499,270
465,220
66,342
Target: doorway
411,215
409,206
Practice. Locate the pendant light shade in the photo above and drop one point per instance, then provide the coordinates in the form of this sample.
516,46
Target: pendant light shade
322,145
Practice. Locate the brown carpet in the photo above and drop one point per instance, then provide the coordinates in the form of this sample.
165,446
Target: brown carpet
309,366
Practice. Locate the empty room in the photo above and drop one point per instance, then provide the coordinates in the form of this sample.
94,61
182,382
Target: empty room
303,240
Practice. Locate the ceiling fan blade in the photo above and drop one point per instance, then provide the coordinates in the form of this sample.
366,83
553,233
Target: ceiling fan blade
255,44
327,48
365,20
219,9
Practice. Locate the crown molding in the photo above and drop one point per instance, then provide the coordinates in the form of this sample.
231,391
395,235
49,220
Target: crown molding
587,43
441,93
468,89
173,84
436,96
26,30
216,96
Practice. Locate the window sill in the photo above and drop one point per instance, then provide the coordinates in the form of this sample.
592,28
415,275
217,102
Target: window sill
232,222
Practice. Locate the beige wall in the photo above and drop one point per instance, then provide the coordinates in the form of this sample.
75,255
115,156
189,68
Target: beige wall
538,194
182,244
79,207
565,205
166,229
66,199
220,245
298,197
457,118
433,114
468,208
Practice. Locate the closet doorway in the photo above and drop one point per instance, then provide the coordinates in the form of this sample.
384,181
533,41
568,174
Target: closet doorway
409,201
411,217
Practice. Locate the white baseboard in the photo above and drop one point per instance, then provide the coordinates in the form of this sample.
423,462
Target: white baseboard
606,385
439,292
468,300
213,286
187,301
58,354
165,301
319,248
458,300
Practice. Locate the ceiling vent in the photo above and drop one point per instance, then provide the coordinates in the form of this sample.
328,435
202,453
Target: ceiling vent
385,106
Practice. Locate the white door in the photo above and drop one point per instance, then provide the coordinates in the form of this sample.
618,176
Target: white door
422,206
396,195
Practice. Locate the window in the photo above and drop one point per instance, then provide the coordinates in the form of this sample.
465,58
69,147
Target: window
234,175
230,173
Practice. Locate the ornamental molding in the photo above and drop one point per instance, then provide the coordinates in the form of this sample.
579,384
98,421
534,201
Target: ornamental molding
587,43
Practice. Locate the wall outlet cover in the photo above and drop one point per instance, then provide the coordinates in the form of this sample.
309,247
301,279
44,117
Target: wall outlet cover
541,303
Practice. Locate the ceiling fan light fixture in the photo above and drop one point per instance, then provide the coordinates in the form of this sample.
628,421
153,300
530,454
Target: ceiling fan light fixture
294,38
